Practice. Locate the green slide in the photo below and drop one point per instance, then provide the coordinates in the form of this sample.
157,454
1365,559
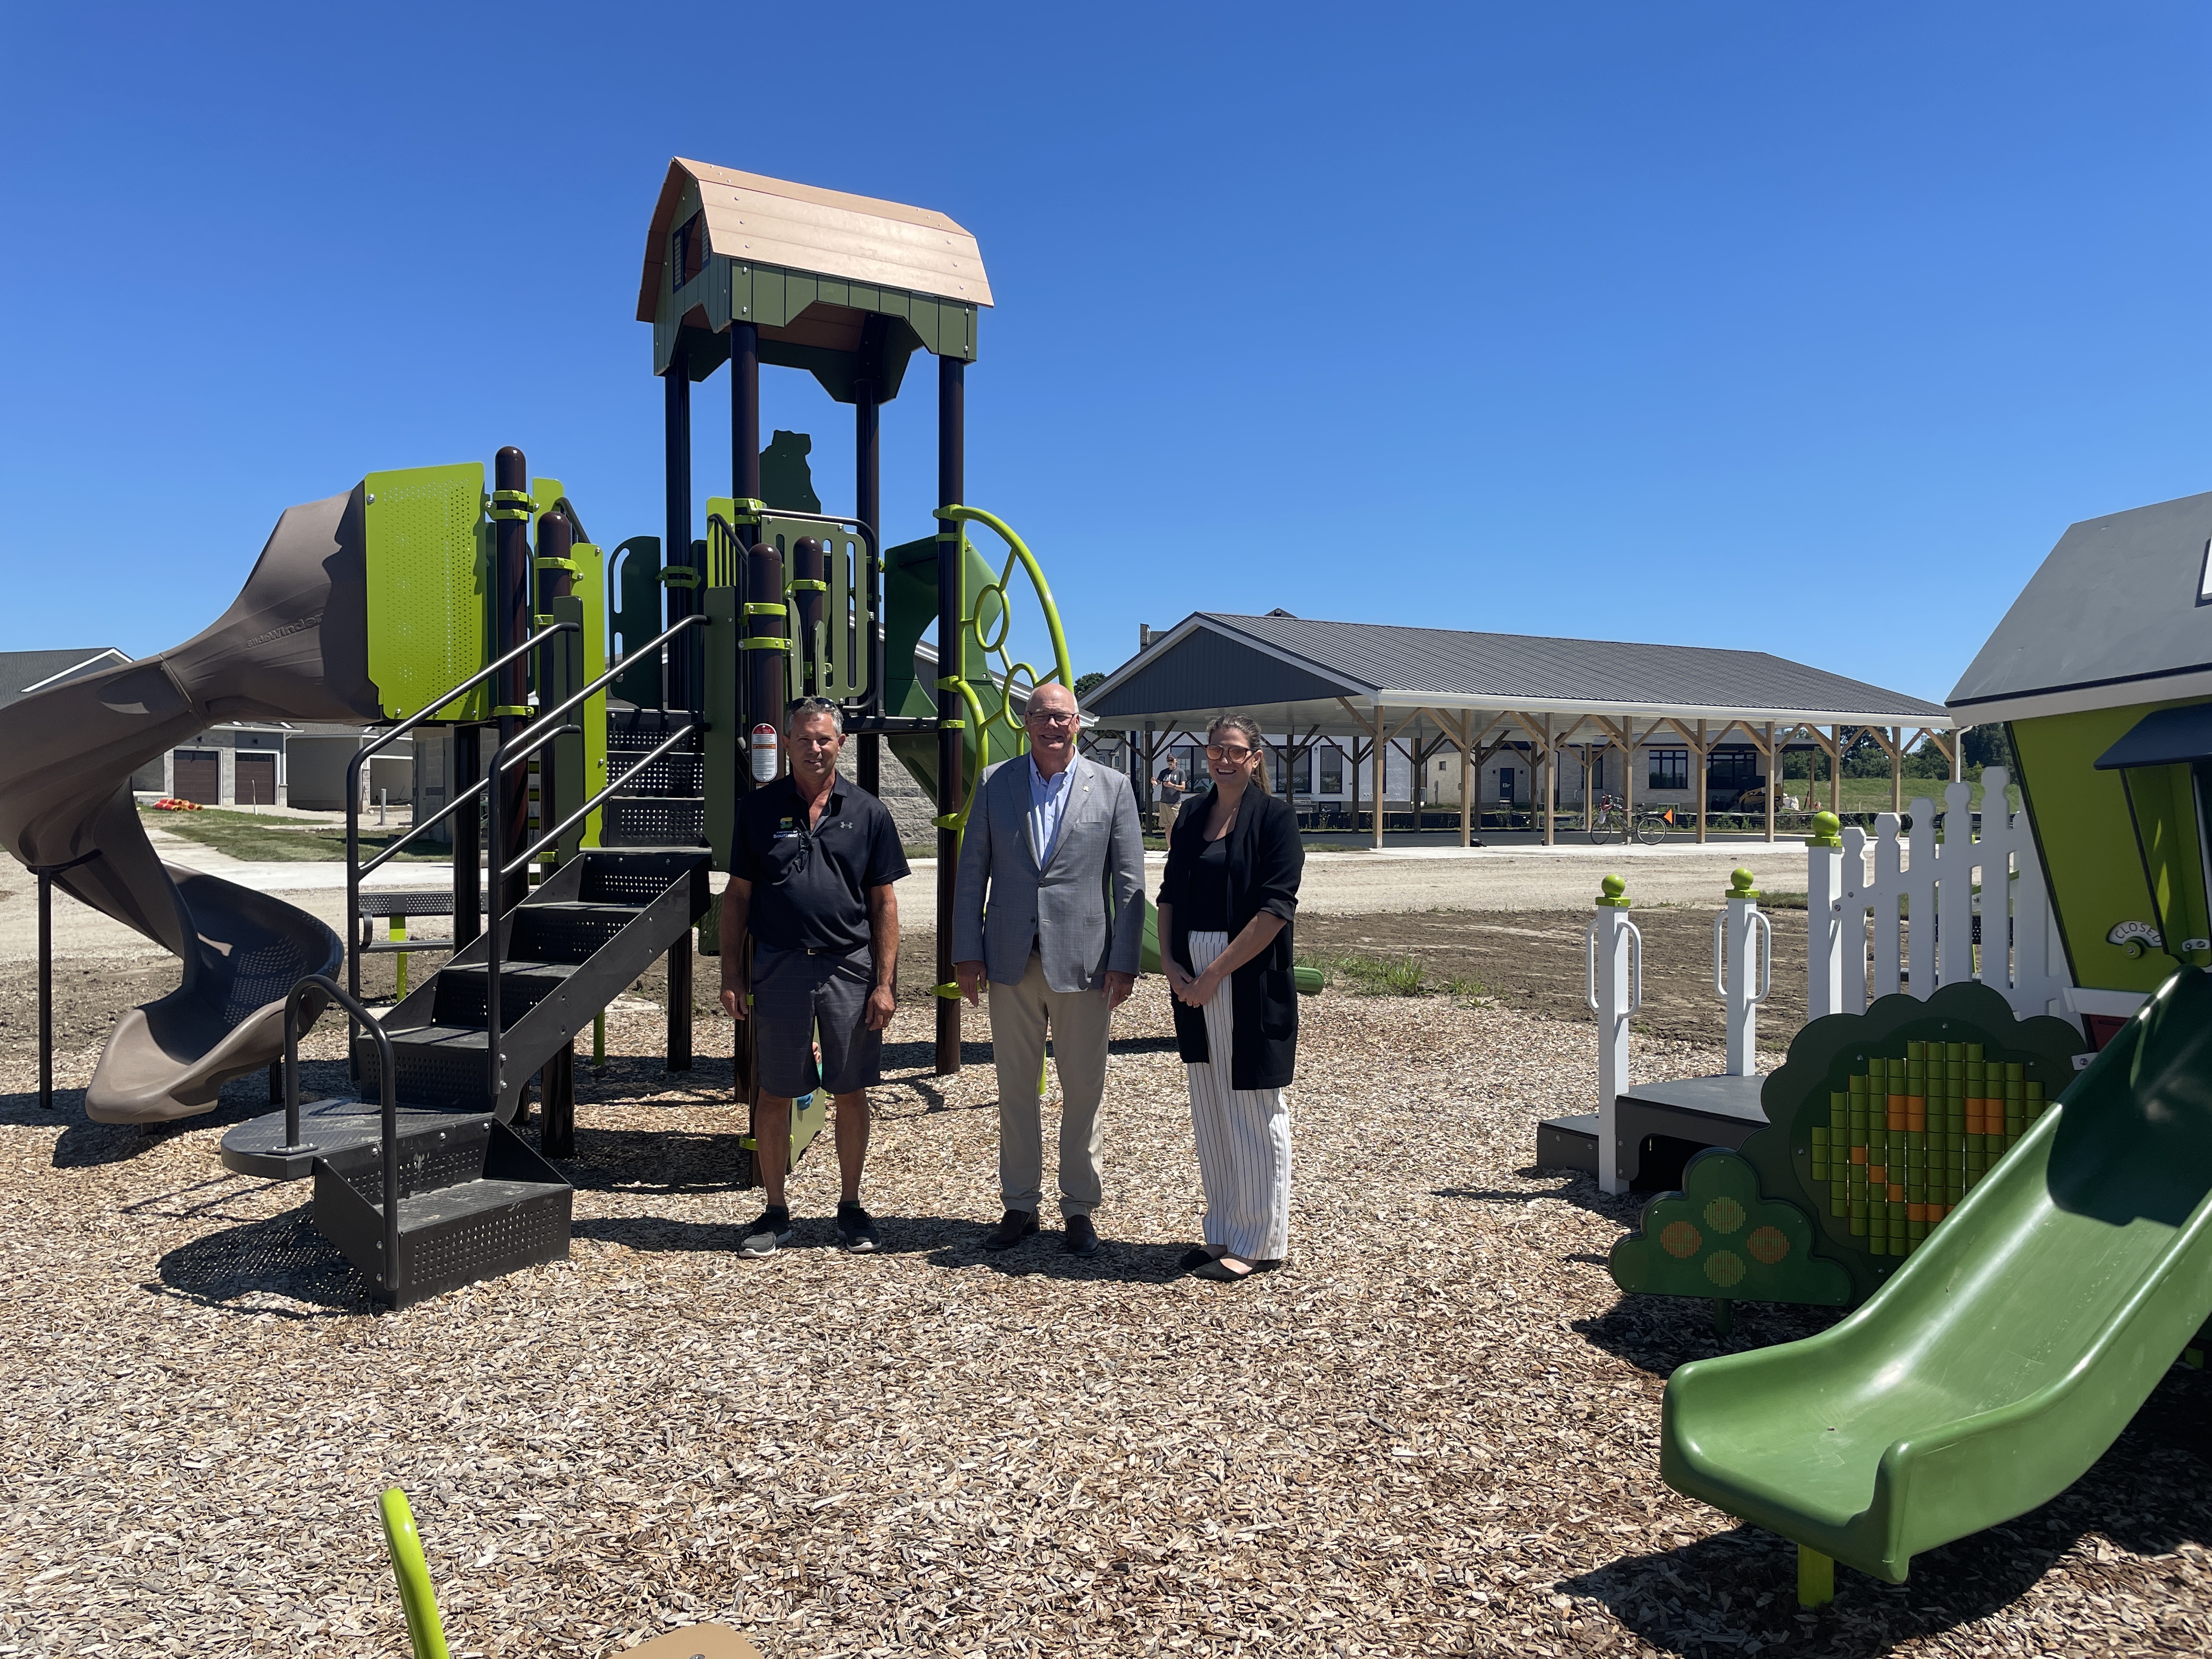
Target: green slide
1990,1371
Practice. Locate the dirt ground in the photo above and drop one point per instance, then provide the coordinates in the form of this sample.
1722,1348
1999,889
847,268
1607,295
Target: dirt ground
1536,961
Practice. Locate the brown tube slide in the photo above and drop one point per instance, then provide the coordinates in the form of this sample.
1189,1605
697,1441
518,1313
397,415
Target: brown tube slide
292,646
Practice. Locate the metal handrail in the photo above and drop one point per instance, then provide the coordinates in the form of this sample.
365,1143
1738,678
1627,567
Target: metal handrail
548,724
388,1106
355,872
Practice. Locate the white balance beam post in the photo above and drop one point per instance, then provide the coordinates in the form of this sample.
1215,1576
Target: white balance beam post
1614,992
1743,957
1824,927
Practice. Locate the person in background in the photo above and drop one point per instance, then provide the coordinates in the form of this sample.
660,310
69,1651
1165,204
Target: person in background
1049,906
812,867
1225,908
1169,788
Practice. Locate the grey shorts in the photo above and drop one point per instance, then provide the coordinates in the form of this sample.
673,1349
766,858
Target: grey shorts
799,999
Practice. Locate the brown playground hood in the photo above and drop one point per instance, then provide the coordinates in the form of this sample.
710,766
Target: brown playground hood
292,646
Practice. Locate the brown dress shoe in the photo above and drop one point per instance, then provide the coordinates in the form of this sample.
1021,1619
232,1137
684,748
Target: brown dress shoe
1013,1229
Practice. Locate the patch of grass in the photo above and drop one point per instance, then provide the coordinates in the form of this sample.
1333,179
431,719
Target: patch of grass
1371,976
1782,901
273,840
1467,988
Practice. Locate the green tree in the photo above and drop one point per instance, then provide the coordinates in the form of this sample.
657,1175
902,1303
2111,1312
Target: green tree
1085,683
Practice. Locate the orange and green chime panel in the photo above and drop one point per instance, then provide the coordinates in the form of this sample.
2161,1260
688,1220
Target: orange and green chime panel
1912,1133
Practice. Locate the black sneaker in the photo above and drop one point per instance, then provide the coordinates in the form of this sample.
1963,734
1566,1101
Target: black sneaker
774,1228
856,1229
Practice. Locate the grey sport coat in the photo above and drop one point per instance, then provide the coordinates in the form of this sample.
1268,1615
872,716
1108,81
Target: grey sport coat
1084,911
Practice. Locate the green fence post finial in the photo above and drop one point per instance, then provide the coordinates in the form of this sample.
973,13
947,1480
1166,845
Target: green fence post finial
1740,885
1827,831
1614,896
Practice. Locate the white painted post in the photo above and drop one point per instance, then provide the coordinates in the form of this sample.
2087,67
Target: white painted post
1743,957
1615,991
1824,928
1954,940
1919,884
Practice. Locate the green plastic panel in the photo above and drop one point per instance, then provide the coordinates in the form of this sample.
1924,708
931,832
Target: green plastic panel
1721,1237
2104,903
429,611
724,736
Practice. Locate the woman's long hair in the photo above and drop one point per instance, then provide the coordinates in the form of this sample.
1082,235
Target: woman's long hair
1248,728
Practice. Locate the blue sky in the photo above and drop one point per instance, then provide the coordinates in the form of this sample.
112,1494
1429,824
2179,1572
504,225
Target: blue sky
1802,328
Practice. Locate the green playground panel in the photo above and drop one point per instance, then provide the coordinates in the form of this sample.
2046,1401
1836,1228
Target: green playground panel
428,560
2105,902
1723,1238
1909,1134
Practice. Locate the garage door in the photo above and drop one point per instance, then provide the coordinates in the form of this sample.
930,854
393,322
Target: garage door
255,784
199,776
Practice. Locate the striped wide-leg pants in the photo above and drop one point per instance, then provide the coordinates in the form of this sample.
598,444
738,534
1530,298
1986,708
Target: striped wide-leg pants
1243,1139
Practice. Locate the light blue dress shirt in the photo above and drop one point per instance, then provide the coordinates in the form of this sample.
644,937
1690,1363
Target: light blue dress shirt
1048,805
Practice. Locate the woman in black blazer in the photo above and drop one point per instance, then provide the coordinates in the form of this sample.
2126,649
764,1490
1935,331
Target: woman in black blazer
1231,888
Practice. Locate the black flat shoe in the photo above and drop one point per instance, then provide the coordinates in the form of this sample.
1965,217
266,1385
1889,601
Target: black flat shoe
1079,1236
1015,1226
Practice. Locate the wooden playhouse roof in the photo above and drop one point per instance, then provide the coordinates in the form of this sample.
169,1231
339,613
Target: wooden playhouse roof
773,221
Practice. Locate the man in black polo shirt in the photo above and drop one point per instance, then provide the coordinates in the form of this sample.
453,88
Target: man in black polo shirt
811,866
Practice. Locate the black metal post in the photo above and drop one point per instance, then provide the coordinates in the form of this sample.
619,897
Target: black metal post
952,486
808,564
468,838
557,1093
676,387
556,1079
511,690
45,991
746,486
868,503
763,685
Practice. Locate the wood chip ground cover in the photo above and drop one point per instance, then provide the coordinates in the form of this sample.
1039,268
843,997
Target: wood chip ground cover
1435,1433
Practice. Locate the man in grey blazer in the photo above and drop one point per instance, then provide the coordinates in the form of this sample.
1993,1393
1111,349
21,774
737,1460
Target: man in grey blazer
1050,907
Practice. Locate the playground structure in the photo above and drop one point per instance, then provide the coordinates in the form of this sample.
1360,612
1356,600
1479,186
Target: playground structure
2004,1164
606,713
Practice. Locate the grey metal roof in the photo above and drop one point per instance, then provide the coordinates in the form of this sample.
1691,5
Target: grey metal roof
2120,604
23,671
1215,659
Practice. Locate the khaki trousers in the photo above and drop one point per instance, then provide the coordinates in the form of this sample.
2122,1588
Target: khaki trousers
1168,810
1020,1018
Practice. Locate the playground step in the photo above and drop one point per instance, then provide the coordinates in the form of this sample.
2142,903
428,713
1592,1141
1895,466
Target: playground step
463,991
326,1127
474,1202
654,821
566,930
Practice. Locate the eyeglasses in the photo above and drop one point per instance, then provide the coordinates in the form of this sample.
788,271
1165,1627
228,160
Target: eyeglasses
1049,717
1226,751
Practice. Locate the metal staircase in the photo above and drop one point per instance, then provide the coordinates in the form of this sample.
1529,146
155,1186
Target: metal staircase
418,1179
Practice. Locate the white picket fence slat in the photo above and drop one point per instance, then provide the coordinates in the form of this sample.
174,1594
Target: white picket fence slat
2020,955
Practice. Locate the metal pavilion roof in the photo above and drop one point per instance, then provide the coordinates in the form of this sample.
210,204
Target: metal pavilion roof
1336,676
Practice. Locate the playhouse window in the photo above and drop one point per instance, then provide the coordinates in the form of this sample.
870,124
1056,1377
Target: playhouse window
687,250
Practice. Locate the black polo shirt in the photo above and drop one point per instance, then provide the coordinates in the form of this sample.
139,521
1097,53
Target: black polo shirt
811,881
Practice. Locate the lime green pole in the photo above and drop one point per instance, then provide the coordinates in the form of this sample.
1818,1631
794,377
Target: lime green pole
1816,1578
424,1632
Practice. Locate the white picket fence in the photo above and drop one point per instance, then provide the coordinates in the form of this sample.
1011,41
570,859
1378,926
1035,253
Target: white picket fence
1855,913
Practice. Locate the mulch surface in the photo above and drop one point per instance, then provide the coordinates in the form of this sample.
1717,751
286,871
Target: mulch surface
1435,1432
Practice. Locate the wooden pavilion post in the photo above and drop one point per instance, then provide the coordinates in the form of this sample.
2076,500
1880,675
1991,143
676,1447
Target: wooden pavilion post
1550,785
1381,748
1705,768
1774,778
1897,770
1835,747
1466,789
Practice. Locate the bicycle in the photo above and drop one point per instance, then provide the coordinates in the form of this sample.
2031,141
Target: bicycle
1610,817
